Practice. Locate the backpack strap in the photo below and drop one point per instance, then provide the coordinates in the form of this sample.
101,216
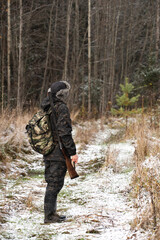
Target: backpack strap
53,114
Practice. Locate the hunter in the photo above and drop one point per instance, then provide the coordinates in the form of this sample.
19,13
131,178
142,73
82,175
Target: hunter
55,166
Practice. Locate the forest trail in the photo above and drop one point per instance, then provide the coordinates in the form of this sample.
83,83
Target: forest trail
97,204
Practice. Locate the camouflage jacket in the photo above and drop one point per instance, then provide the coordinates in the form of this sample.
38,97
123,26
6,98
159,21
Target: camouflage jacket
64,128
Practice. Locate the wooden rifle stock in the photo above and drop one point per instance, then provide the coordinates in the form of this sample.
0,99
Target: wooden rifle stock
71,169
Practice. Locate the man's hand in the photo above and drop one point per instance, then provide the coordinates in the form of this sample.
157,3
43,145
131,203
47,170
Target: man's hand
74,158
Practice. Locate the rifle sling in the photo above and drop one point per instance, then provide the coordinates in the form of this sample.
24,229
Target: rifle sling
54,121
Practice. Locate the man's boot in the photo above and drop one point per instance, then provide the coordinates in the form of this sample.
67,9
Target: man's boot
51,215
49,207
56,215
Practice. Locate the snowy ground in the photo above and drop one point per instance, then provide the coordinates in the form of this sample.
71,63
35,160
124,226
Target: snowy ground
98,204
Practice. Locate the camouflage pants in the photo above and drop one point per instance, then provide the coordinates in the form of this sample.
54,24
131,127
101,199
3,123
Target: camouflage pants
54,176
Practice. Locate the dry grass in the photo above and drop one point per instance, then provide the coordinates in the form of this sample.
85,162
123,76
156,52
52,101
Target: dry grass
110,159
29,201
146,138
13,140
85,132
144,219
147,173
75,115
17,119
146,180
13,125
157,233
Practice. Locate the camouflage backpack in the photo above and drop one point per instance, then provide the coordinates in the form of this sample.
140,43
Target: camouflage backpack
39,132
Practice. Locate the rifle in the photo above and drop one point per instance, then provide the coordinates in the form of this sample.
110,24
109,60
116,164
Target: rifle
70,167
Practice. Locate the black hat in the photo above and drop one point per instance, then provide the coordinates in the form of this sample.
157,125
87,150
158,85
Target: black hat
57,86
60,90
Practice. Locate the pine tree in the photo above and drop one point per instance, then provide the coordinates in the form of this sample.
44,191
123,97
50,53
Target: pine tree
125,102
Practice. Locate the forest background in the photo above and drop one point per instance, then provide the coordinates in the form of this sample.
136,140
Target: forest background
94,45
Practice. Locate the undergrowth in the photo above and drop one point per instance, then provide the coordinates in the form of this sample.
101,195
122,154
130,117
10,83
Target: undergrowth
84,132
146,179
13,142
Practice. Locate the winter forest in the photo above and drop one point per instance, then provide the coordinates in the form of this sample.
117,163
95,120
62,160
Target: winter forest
92,44
109,52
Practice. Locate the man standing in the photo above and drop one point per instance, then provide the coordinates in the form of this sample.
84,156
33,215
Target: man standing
55,166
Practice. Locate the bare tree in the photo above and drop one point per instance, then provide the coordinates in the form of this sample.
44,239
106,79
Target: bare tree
67,39
9,51
89,57
20,62
2,67
45,79
157,29
157,36
115,33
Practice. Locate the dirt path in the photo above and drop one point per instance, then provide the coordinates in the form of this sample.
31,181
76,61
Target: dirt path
97,205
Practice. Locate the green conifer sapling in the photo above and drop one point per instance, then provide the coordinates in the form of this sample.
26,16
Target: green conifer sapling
125,102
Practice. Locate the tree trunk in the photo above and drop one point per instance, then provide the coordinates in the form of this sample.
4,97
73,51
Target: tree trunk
27,31
89,57
157,31
2,67
9,53
20,62
45,80
76,56
55,38
67,40
157,38
83,93
96,50
114,54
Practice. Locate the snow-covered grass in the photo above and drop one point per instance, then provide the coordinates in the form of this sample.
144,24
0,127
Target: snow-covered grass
146,178
101,204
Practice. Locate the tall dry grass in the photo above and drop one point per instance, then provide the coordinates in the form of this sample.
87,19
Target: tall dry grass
13,149
85,131
12,128
110,159
13,140
146,179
